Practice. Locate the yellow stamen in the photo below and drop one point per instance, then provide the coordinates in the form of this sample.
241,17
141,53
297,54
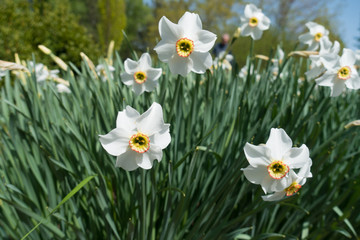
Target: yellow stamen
344,73
184,47
139,143
318,36
292,189
277,169
140,77
253,22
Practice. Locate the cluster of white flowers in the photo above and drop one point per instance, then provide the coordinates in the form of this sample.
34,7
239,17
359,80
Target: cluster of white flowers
273,165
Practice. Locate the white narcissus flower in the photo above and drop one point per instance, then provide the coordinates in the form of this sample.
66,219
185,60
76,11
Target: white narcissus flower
254,22
101,71
137,139
296,180
140,75
185,46
326,47
272,163
312,38
340,72
42,73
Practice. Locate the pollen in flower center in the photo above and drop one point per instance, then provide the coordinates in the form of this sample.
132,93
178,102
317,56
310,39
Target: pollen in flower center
139,143
140,77
292,189
184,47
318,36
344,73
253,22
277,169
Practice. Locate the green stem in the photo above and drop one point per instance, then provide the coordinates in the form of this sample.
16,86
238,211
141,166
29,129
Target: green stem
143,206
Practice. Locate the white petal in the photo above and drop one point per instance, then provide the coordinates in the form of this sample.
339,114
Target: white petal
354,81
169,31
162,138
348,57
180,65
255,175
246,30
115,142
145,61
311,25
325,44
257,155
330,60
264,24
314,72
274,197
144,161
297,157
151,121
131,66
306,38
127,79
190,22
338,87
250,9
128,160
62,88
155,152
279,143
150,85
313,46
327,79
201,61
138,89
256,33
304,172
154,73
336,48
126,119
165,50
205,41
275,185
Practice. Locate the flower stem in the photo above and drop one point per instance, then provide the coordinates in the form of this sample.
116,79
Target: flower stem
143,206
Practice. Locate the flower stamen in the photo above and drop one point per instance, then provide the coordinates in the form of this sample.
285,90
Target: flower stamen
344,73
253,22
139,143
140,77
318,36
184,47
277,169
292,189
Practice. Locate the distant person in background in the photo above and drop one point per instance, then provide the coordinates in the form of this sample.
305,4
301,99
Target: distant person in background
221,47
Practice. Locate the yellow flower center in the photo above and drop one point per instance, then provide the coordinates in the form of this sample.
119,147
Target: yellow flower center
318,36
184,47
139,143
277,169
140,77
344,73
292,189
253,22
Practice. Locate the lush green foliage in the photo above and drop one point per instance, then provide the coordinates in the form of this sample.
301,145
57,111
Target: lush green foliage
28,26
49,144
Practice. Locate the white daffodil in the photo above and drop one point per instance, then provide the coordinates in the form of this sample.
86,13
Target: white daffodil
185,46
296,180
101,71
254,22
326,47
137,139
340,72
140,75
62,88
270,164
42,73
312,38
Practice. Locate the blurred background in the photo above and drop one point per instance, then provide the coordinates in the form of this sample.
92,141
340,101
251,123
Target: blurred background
70,27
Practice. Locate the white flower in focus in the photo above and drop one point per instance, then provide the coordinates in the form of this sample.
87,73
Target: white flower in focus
185,46
140,75
101,71
312,38
272,163
340,72
137,139
296,180
254,22
326,47
62,88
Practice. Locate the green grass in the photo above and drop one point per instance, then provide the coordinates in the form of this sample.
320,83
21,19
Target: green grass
49,144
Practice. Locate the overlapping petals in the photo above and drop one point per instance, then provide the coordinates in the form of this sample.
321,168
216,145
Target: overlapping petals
313,37
254,22
137,139
184,46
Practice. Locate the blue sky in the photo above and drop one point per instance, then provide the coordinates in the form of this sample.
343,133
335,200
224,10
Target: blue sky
349,20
